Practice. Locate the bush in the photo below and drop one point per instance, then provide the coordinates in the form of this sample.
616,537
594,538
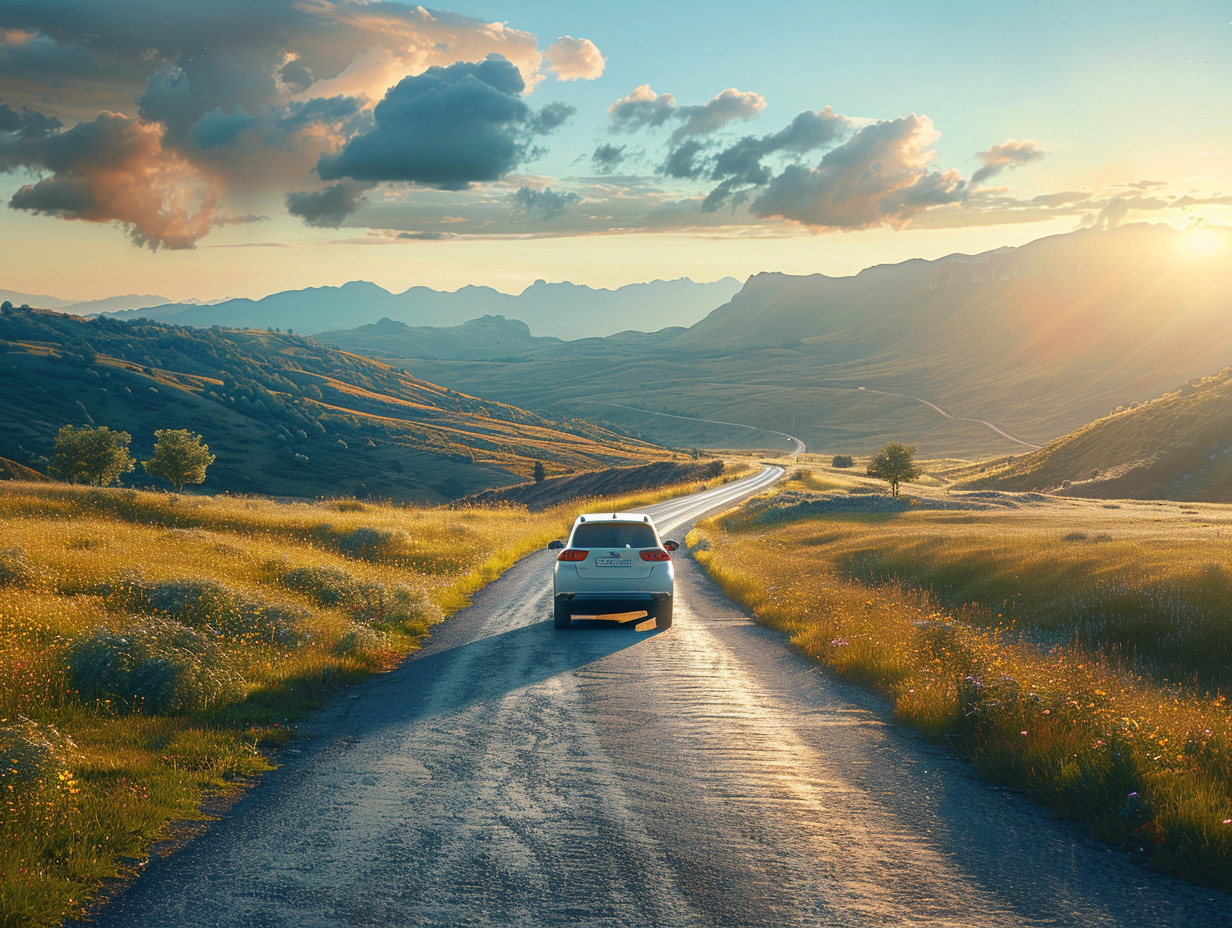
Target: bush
370,602
715,469
326,586
842,460
357,641
372,544
34,755
14,567
212,605
156,665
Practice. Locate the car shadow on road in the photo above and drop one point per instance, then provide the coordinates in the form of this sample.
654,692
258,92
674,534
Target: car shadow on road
448,679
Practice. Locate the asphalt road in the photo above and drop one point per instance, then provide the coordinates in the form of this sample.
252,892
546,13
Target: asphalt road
513,774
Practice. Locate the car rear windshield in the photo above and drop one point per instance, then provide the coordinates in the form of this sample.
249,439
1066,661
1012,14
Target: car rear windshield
614,535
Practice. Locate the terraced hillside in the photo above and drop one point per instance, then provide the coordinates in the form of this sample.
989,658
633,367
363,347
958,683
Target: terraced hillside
284,415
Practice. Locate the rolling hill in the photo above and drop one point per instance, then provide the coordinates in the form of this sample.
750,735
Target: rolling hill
1038,340
1178,447
284,415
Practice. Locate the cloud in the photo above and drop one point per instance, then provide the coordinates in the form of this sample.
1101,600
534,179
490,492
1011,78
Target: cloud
314,113
1113,213
1063,198
232,52
427,236
741,164
681,161
446,128
219,128
607,158
330,207
28,124
641,109
645,109
573,59
727,107
552,117
242,96
542,205
115,169
879,177
1009,154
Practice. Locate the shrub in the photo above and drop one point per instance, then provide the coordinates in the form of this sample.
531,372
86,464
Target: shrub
715,469
34,755
326,586
210,604
842,460
370,602
410,607
356,641
14,567
372,544
156,665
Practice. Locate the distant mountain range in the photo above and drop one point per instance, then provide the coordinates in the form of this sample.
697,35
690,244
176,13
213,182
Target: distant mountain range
285,416
560,310
1038,340
81,307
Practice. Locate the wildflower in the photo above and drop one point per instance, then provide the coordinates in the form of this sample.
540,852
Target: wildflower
1023,733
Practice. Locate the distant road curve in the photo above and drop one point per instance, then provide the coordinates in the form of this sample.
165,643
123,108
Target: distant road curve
799,445
934,406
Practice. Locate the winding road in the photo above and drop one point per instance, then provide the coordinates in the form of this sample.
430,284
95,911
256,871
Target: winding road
798,447
933,406
510,774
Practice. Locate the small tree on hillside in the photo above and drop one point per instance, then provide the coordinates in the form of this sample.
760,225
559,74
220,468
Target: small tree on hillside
92,455
180,457
539,473
894,463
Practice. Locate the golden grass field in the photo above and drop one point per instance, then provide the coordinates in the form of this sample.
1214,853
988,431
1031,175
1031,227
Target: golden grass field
1076,650
155,648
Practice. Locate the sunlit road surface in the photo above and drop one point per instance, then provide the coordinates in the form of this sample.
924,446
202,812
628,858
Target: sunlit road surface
513,774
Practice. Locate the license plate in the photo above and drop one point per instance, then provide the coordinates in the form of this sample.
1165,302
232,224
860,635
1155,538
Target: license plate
611,562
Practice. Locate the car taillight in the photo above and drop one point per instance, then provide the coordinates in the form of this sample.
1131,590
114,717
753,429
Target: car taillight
571,554
655,556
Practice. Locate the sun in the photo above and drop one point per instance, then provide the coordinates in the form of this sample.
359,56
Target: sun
1201,243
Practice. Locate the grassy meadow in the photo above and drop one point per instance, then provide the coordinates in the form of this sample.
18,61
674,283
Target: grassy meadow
1077,650
155,649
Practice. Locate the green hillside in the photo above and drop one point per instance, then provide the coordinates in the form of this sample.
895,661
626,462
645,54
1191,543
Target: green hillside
1178,446
284,415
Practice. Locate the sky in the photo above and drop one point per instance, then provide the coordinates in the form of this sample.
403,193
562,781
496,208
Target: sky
241,147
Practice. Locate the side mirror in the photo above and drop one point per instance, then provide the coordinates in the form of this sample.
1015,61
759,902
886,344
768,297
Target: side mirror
670,545
553,545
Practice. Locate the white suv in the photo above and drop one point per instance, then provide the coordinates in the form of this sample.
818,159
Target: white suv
613,562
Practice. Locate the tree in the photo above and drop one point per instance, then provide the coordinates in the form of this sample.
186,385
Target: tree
842,460
539,472
894,463
180,457
92,455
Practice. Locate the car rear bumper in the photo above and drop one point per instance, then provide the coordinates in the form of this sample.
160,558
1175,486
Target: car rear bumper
607,603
